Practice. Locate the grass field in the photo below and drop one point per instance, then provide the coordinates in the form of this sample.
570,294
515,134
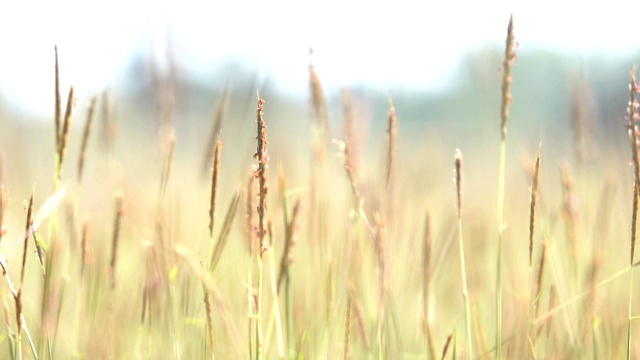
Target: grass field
286,231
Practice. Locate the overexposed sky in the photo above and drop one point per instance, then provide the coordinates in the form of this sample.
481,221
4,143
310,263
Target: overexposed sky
406,42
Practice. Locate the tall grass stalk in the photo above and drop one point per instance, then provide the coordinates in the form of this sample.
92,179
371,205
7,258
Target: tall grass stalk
108,125
504,115
215,173
320,133
63,137
223,235
445,348
360,317
261,175
17,297
382,250
215,255
538,289
284,274
349,130
3,204
115,239
169,142
633,117
214,137
274,316
209,313
570,215
347,328
250,234
532,204
355,189
465,290
46,260
85,137
532,221
426,287
58,101
391,150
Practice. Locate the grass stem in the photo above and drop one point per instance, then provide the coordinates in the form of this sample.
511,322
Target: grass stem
504,115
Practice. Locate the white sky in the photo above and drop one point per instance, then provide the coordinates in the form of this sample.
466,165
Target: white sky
409,42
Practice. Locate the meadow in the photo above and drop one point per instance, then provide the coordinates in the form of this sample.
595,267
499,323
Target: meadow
274,229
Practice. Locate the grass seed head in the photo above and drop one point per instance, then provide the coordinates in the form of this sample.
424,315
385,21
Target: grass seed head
509,60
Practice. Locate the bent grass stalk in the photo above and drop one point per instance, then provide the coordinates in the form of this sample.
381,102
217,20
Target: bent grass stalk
504,115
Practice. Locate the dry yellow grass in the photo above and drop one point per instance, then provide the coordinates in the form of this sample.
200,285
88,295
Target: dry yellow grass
361,272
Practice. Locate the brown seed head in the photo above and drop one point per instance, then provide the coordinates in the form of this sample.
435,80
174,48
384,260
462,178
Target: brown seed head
509,58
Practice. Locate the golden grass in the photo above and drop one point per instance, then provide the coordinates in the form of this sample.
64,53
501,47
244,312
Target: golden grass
633,118
58,101
532,202
353,267
463,269
215,175
115,239
85,136
509,59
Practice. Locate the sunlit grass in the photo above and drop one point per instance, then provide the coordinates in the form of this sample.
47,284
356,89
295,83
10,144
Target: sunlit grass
355,249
